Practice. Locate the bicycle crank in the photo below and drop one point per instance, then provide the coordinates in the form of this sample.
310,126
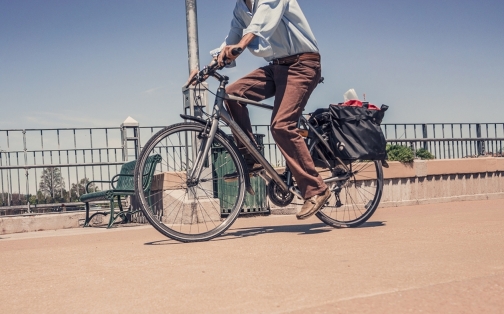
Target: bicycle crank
278,196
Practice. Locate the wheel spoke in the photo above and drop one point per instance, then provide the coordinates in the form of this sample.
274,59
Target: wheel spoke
359,195
191,210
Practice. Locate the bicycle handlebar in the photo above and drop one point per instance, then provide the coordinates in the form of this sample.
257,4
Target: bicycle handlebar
236,51
210,69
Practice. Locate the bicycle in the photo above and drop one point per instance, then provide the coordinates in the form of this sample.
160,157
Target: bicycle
185,199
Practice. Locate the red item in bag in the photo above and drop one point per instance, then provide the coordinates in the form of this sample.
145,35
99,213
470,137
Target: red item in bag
358,103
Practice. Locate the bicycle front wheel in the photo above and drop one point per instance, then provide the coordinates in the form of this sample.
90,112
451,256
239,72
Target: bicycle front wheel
353,200
180,208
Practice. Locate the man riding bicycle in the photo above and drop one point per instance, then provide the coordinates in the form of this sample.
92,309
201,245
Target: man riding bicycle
278,31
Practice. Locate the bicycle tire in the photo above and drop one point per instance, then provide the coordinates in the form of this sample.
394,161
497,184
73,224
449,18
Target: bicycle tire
178,209
358,196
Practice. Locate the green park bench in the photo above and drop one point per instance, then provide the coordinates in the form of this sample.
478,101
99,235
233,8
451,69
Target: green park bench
122,185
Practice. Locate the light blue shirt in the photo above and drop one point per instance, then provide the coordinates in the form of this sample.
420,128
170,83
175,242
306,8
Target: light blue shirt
280,27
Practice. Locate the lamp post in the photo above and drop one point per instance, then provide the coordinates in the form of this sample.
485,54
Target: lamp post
192,34
194,98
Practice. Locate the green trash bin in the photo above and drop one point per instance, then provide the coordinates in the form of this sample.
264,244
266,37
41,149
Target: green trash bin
254,204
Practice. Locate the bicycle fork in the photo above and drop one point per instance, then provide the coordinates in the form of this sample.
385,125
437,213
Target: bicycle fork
203,150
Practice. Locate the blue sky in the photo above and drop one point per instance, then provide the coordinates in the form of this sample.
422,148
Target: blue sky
89,63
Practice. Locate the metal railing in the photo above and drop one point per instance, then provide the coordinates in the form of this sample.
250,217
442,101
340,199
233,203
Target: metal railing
54,165
449,140
87,154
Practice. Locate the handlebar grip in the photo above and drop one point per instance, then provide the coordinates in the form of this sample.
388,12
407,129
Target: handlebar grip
236,51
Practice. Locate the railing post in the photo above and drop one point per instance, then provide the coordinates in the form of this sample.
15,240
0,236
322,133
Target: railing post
130,123
27,189
9,182
2,181
480,144
413,147
136,134
124,143
424,135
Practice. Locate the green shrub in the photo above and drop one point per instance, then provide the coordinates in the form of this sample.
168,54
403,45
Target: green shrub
406,154
422,153
400,153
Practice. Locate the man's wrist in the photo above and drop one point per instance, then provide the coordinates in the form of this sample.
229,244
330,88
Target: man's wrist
246,40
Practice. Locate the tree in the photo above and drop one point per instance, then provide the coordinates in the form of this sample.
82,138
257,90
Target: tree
51,183
78,189
33,199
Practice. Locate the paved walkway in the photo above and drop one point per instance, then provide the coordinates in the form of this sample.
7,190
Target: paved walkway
443,258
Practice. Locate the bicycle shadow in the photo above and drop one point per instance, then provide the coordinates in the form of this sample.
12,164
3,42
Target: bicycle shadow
307,229
315,228
298,229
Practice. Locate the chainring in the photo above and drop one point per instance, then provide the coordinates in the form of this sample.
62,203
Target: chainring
277,196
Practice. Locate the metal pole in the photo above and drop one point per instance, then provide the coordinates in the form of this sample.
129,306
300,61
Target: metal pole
195,98
192,34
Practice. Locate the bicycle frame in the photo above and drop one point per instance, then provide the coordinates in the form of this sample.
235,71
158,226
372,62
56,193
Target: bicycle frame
220,113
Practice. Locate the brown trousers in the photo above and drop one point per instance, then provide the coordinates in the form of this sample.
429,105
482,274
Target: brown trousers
291,85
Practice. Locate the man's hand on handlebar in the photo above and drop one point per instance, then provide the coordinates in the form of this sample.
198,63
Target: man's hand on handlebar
196,76
228,54
191,80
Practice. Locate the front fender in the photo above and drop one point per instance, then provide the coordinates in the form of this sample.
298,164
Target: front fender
193,118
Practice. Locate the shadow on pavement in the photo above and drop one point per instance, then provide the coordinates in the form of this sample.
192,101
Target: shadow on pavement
247,232
254,231
372,224
299,229
163,242
116,225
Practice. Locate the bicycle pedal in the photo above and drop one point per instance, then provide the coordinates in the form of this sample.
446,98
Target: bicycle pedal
255,174
256,170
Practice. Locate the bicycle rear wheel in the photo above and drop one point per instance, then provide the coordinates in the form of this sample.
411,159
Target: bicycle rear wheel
181,209
353,200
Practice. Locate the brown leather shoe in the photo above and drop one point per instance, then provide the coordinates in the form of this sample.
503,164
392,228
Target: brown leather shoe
313,204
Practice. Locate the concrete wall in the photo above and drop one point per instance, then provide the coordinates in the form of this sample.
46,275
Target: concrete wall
435,181
28,223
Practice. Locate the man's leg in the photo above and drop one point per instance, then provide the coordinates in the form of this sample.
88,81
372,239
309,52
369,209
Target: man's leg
257,85
294,85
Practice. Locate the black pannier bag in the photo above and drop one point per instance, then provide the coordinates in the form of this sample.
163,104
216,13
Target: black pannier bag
352,132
